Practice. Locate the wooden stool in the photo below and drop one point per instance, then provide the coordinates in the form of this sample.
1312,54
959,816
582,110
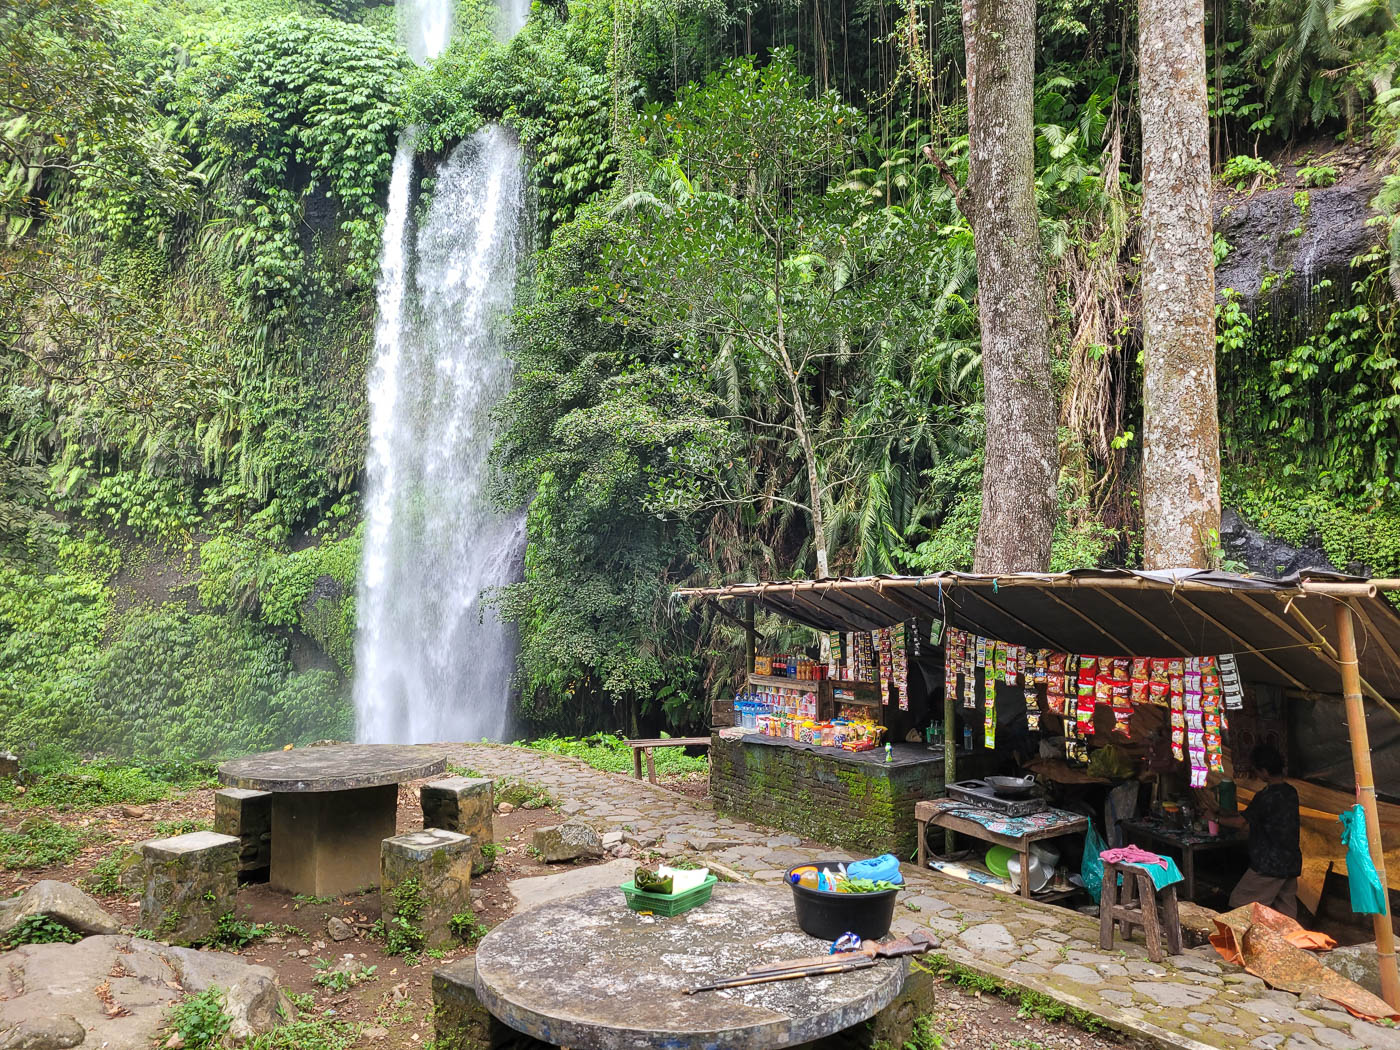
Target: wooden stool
1135,904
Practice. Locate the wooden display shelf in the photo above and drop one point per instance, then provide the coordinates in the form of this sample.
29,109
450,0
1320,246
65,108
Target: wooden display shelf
777,681
864,694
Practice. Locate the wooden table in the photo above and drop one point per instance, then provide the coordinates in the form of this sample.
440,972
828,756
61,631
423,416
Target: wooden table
639,746
991,826
332,807
587,973
1186,843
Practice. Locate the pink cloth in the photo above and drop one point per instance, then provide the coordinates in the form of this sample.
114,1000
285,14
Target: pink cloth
1131,855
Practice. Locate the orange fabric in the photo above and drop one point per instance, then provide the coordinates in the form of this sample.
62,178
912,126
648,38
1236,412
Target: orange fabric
1271,946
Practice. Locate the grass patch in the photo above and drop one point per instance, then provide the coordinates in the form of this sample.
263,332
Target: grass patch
1031,1004
40,843
105,878
320,1033
336,980
610,753
168,828
55,778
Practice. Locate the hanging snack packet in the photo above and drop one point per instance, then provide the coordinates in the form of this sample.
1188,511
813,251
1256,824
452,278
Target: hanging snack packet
1032,710
1013,664
1178,723
1230,684
901,666
1084,709
981,651
989,715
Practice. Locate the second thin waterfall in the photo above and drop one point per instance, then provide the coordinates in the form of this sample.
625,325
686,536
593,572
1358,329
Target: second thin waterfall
432,662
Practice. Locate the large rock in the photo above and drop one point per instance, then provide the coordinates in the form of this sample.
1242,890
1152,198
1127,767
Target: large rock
60,902
572,840
1274,245
63,995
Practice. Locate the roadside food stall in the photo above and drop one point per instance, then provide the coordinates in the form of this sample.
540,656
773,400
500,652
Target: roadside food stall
1134,698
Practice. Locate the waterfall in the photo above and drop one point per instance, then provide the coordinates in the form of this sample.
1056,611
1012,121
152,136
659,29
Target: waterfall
432,662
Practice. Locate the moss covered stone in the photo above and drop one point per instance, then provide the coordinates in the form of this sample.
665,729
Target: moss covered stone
858,802
189,882
426,876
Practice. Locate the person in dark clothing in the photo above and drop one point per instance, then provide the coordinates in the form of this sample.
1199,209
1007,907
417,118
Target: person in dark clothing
1275,859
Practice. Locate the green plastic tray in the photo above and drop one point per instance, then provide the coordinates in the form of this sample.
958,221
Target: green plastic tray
668,903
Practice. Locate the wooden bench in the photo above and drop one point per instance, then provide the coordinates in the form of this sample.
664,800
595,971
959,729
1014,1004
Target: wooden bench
647,746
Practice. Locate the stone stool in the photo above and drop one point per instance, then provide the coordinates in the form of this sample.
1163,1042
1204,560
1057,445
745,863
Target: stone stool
425,877
190,882
1135,903
247,815
463,805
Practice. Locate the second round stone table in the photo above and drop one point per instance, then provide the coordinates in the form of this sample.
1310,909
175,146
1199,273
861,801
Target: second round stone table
332,807
587,973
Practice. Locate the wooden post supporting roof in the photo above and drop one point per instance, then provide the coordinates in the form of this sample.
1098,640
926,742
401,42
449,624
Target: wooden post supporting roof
1366,795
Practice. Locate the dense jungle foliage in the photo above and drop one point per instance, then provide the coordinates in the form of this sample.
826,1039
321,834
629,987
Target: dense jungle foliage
747,345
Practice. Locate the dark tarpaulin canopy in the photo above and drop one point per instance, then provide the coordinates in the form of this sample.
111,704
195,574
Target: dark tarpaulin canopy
1282,631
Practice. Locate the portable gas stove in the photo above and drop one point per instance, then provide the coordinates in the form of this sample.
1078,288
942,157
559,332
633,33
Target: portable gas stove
980,793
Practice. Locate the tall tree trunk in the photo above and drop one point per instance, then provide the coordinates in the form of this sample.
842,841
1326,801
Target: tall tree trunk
799,425
1181,429
1018,486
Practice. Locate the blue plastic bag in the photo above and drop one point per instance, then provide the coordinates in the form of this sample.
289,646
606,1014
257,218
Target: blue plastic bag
878,869
1367,896
1091,867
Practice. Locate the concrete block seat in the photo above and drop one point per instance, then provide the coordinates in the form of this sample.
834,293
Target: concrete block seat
247,815
188,883
427,876
463,805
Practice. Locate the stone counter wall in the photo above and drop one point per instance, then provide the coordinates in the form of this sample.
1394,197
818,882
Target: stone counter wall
866,808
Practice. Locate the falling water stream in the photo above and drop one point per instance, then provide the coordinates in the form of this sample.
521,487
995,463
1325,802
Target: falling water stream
433,662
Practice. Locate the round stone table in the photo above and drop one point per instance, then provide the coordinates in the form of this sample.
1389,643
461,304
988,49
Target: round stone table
586,973
332,807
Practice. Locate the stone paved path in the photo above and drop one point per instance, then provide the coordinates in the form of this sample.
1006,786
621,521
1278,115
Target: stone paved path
1192,1001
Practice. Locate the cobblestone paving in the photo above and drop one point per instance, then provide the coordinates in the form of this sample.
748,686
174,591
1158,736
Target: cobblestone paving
1191,1001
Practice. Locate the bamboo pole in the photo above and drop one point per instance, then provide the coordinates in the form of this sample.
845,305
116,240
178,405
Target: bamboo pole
1366,795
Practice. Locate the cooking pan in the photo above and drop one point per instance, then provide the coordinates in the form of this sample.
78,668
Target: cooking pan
1012,787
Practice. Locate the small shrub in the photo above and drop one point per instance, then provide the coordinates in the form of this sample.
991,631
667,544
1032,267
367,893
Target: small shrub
402,933
467,928
1241,172
233,932
39,929
200,1020
1316,176
492,850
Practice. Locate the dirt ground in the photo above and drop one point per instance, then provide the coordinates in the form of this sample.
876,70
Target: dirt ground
393,1004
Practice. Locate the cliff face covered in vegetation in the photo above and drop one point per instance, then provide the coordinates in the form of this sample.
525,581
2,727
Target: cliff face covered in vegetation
747,343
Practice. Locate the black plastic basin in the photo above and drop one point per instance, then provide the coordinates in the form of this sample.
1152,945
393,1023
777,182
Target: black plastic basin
828,915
